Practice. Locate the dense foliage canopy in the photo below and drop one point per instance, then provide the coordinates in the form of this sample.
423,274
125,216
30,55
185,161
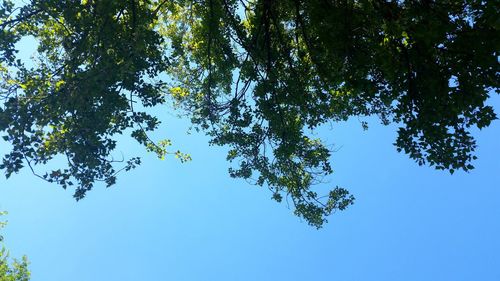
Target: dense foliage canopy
257,76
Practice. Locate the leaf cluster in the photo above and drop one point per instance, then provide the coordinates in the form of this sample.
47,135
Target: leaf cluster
16,270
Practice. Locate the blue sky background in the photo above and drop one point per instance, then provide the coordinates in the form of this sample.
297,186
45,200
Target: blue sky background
172,221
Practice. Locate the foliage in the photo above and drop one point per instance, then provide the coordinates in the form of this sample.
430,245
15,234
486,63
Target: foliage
257,76
18,270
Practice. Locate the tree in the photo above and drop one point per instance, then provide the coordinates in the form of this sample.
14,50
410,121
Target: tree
257,76
18,270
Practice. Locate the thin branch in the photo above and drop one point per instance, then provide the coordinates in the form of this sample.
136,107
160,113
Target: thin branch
19,19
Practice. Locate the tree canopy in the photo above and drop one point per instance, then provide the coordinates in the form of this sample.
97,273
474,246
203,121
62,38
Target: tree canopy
257,76
15,270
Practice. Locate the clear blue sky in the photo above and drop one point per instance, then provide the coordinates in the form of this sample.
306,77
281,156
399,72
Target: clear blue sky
172,221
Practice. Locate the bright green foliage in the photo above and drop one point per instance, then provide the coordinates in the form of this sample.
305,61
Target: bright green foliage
257,76
17,270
